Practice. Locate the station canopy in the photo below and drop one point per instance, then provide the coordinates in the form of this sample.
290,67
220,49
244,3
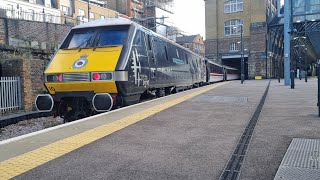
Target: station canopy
306,28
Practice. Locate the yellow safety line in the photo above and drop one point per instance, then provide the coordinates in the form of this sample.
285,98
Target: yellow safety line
25,162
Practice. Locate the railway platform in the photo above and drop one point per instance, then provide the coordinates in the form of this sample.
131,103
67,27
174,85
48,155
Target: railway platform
221,131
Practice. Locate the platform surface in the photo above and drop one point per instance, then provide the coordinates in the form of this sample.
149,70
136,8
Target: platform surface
287,114
190,135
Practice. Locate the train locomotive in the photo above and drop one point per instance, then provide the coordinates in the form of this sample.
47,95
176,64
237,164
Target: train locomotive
113,63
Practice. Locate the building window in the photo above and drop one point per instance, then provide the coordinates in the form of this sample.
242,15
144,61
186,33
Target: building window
234,46
232,27
66,10
102,17
82,13
233,6
91,15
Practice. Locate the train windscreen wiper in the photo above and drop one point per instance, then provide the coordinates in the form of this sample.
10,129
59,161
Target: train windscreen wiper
84,42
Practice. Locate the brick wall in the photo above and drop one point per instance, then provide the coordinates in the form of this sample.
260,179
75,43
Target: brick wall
18,40
3,31
258,49
30,69
119,5
37,68
31,34
211,48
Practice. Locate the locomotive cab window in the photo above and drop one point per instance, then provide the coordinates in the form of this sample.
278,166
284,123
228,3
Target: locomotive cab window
96,37
138,39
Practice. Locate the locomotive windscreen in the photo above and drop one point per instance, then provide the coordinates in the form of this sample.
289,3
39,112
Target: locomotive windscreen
96,37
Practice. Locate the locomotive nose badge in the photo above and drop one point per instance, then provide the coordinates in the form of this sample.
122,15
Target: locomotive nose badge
80,63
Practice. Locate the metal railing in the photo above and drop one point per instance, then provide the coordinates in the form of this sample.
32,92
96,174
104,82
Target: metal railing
10,94
29,15
41,17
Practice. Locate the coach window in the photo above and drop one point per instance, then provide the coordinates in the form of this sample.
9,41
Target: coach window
187,61
160,52
149,40
166,51
139,46
178,56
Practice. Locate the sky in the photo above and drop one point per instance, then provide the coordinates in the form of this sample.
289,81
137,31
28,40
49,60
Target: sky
189,16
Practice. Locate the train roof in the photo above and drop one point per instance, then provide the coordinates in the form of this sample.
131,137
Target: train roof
105,22
123,21
211,62
228,67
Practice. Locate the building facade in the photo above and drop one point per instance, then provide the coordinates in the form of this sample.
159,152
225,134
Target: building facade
131,8
90,10
194,43
230,21
72,12
152,14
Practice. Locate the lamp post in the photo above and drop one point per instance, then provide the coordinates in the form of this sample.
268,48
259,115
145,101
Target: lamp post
279,70
300,62
242,58
305,65
300,55
88,10
318,74
241,50
300,59
292,75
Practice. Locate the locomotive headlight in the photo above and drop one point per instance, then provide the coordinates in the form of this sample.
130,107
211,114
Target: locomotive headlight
102,76
106,76
54,78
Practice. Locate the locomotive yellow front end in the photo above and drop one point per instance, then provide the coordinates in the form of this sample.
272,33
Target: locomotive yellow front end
81,77
87,70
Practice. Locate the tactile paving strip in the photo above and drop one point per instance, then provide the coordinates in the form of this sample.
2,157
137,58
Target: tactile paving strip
301,161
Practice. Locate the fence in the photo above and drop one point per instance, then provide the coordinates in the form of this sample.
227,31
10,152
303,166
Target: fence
10,94
41,17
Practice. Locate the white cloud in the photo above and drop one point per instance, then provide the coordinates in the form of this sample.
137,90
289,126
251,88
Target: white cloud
189,16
